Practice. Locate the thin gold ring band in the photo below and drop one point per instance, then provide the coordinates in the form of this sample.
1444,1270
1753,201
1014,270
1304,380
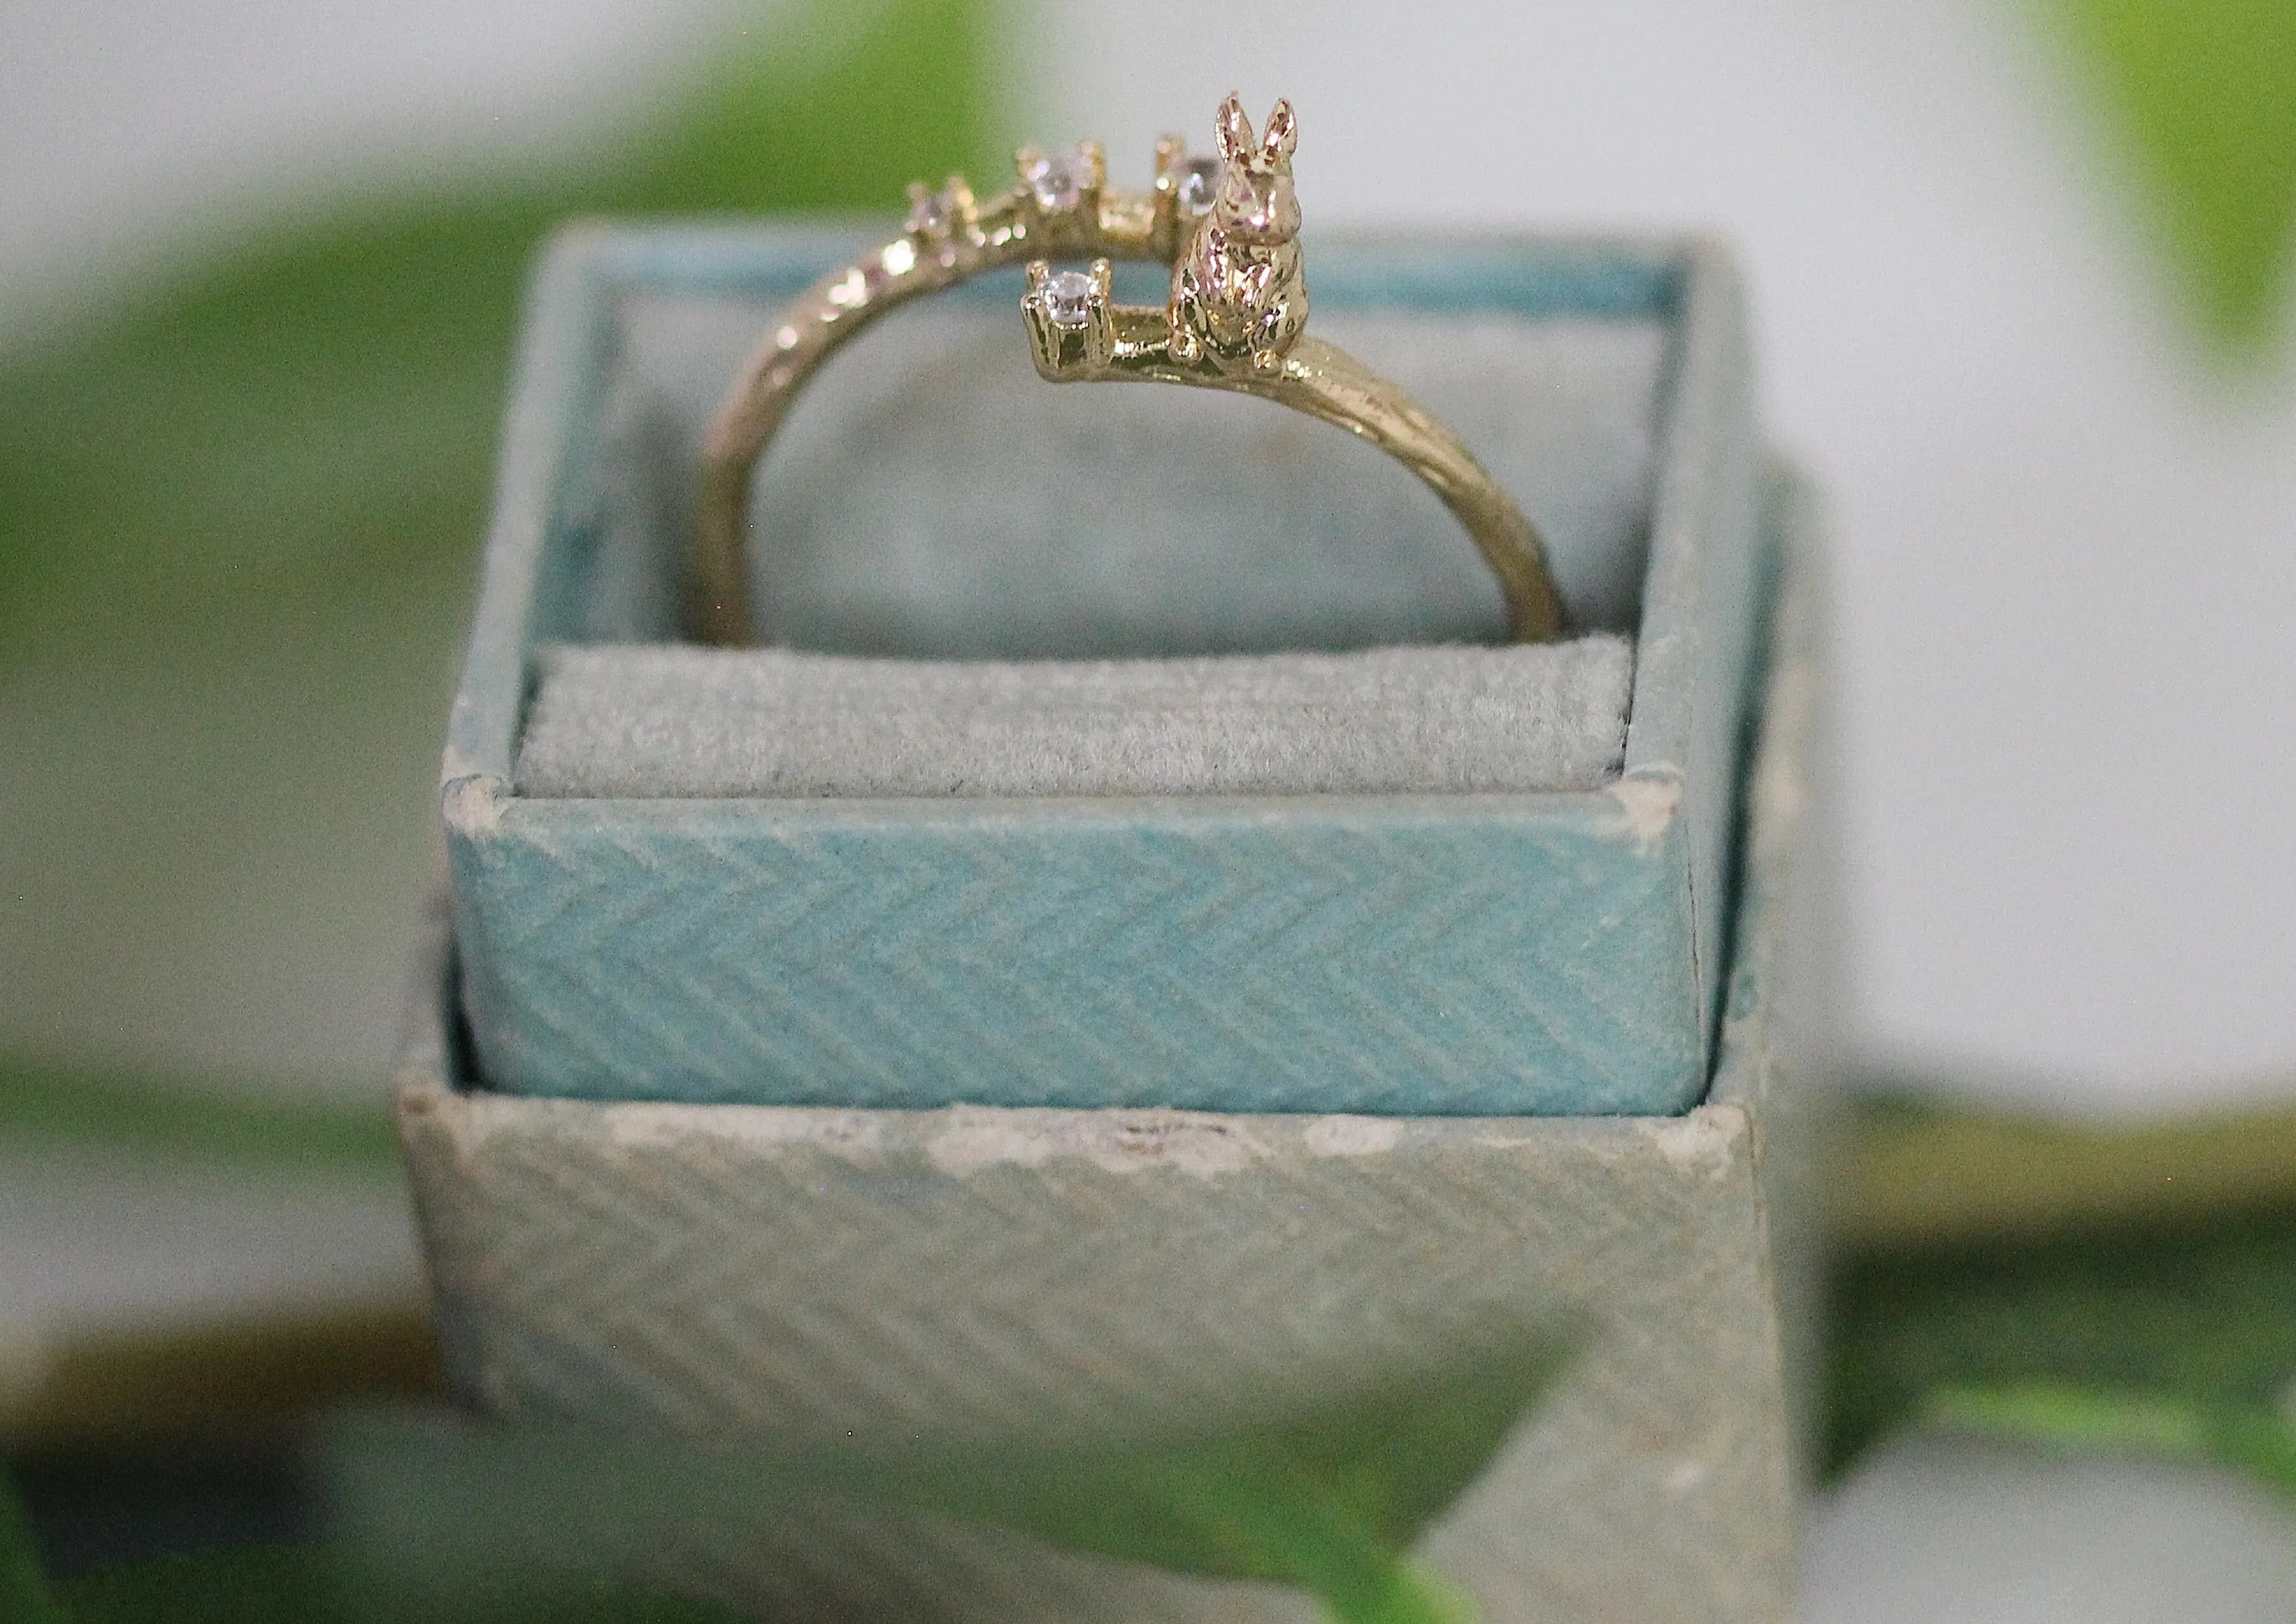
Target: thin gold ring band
1228,226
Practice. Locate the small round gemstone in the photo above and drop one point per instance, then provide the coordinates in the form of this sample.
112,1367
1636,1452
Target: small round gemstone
1200,179
932,213
1058,181
1067,299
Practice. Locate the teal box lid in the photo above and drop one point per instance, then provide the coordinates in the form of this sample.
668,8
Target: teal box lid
1516,952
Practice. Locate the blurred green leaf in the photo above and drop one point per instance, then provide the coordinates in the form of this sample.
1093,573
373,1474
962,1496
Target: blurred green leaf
2204,94
1328,1497
1922,1173
2194,1312
2086,1417
2258,1442
308,1585
262,1585
296,1585
313,420
24,1595
124,1108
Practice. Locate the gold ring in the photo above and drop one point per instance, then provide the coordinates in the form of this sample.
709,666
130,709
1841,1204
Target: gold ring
1228,226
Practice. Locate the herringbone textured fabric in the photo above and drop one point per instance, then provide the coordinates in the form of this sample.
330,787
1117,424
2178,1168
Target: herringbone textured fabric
1000,1276
1424,958
1014,1274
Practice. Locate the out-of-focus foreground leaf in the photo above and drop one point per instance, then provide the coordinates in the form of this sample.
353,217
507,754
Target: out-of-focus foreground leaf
313,420
24,1595
2204,93
2196,1312
1329,1497
2060,1277
248,1377
105,1107
2258,1442
293,1585
1919,1173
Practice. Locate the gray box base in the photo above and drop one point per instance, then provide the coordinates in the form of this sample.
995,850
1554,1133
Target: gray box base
979,1273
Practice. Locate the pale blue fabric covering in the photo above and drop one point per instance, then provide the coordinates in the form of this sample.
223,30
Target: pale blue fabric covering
683,918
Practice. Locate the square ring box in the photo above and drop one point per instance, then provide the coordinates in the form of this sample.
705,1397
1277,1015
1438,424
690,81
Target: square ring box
810,1064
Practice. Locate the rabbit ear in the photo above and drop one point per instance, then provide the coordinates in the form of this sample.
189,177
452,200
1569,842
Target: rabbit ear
1234,130
1283,137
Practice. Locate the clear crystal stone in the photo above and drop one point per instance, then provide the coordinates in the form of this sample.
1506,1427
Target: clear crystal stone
1058,181
932,212
1067,299
1200,179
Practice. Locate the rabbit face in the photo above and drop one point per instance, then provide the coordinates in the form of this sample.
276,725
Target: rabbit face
1256,202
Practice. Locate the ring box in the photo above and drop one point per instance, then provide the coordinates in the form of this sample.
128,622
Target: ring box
978,1273
645,1204
1535,952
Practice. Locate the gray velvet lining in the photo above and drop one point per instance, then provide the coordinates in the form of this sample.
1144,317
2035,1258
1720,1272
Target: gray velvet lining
677,722
1024,548
931,497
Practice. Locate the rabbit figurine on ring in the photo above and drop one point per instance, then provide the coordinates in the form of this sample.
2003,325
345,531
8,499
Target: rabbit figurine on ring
1239,291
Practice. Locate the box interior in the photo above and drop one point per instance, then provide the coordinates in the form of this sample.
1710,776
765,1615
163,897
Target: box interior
930,498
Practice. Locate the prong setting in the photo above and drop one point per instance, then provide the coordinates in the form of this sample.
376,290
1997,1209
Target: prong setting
1068,296
1061,183
1225,226
942,215
1068,316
